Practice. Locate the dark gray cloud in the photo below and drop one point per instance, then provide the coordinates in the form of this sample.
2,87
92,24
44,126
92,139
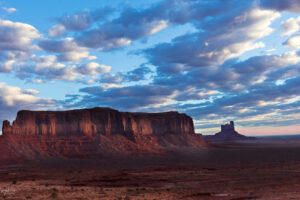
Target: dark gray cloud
84,19
126,98
232,76
78,21
137,74
134,24
257,100
280,5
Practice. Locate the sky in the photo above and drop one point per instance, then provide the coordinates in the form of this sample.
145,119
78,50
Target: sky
216,60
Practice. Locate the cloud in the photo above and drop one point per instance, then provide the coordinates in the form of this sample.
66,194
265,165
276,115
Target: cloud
245,91
12,99
128,98
57,31
232,76
46,68
263,102
114,36
134,24
293,42
290,26
198,72
17,55
78,21
93,68
84,19
112,78
220,39
6,66
137,74
16,36
9,10
67,49
286,5
284,73
17,41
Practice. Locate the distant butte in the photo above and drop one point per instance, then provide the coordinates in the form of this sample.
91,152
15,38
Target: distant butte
227,134
95,132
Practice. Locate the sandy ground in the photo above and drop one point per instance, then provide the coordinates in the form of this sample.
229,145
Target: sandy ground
232,172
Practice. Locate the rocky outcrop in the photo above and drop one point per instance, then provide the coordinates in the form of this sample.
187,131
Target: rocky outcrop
91,133
97,121
227,134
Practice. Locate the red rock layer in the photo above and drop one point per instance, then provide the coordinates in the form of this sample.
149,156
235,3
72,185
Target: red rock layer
93,133
22,149
97,121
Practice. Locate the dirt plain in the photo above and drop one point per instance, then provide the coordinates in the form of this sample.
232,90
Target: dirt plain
238,171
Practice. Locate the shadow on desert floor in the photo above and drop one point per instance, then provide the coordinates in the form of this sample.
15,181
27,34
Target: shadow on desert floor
233,171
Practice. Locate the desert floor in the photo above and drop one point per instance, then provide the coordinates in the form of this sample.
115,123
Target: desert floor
235,172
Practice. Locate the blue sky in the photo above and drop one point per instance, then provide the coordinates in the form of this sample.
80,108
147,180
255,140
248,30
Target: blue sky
214,60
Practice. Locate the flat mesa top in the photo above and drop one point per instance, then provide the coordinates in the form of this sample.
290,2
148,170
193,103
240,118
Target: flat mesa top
98,109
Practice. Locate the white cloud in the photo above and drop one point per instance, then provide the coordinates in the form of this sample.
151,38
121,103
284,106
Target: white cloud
7,66
93,68
57,31
38,81
293,42
75,56
49,67
246,29
9,10
268,51
67,48
219,40
13,99
286,59
290,26
16,36
157,26
11,96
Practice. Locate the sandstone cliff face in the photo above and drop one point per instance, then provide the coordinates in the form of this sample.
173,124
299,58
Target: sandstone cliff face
97,121
94,133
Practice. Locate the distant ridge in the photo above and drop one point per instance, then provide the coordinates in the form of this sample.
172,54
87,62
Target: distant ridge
279,136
